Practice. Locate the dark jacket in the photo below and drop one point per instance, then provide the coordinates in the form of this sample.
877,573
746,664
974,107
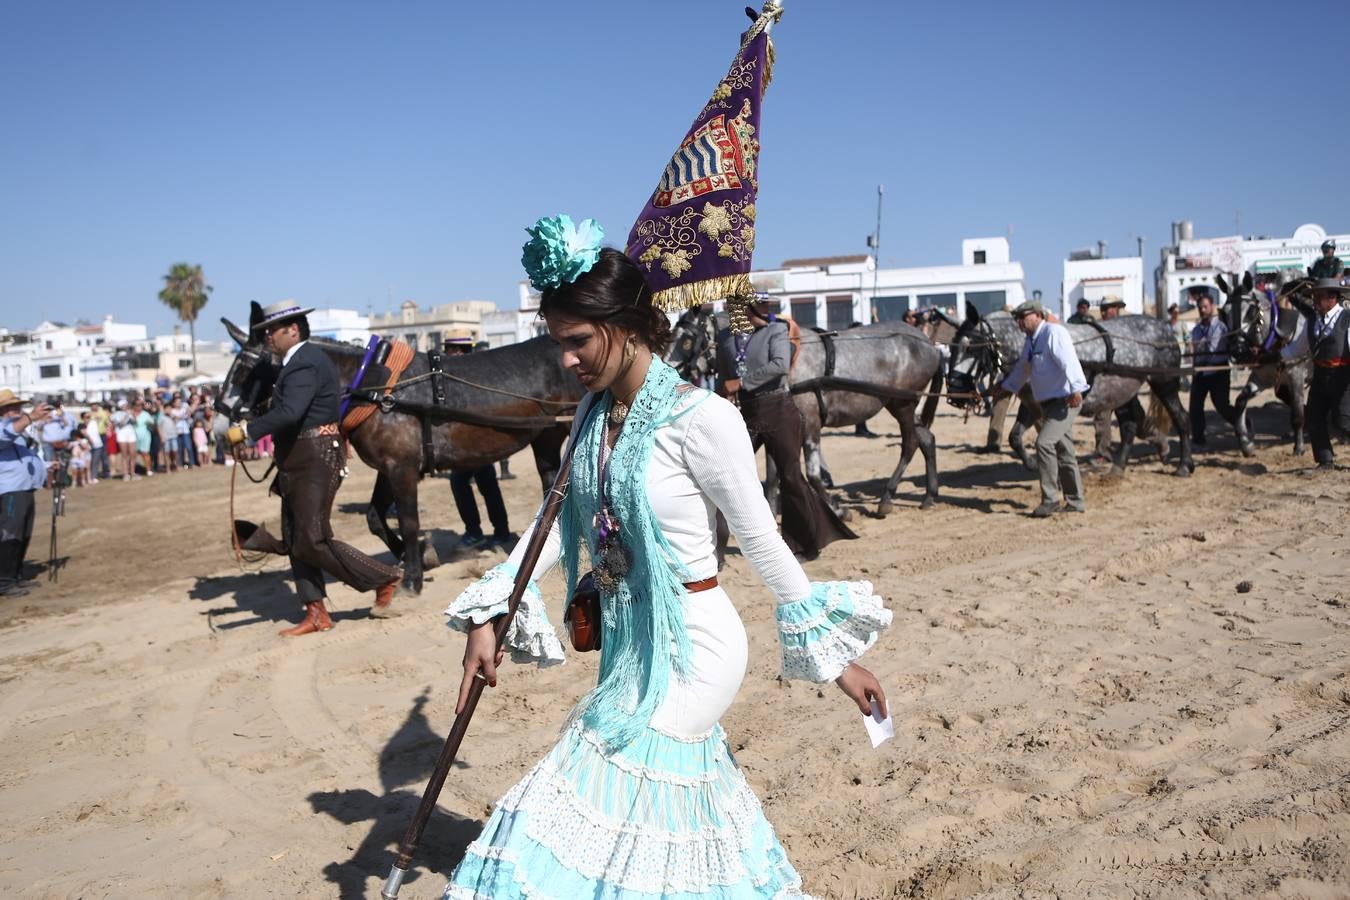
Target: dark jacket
304,396
1333,346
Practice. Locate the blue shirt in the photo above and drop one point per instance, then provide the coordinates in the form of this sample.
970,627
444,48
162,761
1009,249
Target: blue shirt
20,468
57,428
1050,363
1209,344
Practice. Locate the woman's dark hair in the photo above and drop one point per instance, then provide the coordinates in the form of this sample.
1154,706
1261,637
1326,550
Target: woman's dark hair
612,293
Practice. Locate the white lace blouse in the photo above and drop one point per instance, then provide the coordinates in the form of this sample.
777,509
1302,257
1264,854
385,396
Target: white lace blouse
703,461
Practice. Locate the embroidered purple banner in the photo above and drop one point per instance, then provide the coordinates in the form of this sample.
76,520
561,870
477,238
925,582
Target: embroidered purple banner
695,237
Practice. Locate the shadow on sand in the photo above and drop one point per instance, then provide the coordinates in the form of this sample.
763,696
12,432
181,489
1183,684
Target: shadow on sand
405,766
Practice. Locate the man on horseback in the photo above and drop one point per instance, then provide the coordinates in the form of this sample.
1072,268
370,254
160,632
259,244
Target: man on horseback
1329,341
1050,363
311,463
1328,265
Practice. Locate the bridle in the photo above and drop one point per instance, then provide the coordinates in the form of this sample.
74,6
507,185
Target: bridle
244,395
977,356
692,345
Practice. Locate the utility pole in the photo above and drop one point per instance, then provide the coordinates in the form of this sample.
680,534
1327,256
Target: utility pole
874,241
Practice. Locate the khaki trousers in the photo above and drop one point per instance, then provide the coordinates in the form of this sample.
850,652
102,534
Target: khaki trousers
1056,455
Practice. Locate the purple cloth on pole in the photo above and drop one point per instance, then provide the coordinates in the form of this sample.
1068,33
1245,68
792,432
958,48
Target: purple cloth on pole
695,236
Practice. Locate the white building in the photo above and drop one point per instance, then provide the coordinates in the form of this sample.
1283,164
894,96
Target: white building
425,330
1193,262
834,292
1094,280
345,325
97,362
70,360
512,326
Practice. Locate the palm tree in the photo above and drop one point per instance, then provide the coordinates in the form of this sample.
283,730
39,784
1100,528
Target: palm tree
185,292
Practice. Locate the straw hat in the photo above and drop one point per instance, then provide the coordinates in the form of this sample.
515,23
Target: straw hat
8,398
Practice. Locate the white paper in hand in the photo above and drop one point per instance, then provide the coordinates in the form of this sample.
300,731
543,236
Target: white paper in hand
878,729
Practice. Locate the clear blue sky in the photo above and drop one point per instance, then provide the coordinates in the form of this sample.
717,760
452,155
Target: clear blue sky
350,153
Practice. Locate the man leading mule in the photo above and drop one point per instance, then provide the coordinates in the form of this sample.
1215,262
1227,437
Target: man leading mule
311,463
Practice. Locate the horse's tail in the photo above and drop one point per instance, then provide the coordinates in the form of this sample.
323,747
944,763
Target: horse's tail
1159,420
931,404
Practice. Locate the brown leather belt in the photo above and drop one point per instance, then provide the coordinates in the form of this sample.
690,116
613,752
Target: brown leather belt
706,584
329,430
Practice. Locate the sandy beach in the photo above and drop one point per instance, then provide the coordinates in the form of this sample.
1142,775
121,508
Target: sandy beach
1089,706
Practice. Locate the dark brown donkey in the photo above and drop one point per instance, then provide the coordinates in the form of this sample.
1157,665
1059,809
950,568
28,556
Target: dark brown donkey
490,405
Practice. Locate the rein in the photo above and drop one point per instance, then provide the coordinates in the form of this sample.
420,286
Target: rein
234,537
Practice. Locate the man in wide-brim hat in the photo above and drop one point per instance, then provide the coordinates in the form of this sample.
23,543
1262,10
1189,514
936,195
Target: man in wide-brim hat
22,472
1329,345
311,459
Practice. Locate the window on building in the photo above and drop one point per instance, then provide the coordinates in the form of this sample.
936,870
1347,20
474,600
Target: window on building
70,370
184,363
889,309
979,257
48,344
838,312
986,301
433,340
53,371
410,340
942,301
804,312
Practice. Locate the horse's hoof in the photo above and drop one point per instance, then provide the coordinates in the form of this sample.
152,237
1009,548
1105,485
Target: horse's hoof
1249,450
1182,471
430,558
1116,472
1299,451
845,515
885,508
928,503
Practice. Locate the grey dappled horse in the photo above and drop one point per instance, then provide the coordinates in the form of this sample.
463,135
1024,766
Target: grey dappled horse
1274,342
1134,350
840,379
483,417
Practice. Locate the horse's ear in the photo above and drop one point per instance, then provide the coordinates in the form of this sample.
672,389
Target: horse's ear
972,314
255,315
1223,285
1246,281
237,334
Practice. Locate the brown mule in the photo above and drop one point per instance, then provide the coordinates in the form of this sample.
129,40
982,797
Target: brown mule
316,619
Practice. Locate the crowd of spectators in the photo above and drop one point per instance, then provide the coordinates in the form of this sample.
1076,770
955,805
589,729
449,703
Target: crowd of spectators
137,436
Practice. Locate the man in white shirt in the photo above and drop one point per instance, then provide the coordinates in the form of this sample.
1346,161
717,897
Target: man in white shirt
1050,364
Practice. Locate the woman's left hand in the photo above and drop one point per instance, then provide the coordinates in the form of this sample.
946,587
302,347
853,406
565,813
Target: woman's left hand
862,688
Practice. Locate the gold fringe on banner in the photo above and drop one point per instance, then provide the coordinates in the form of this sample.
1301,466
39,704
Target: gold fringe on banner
709,290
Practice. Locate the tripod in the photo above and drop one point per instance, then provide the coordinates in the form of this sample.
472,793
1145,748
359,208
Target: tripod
58,510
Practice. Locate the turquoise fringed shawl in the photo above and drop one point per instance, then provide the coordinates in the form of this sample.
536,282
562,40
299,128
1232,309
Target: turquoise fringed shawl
643,634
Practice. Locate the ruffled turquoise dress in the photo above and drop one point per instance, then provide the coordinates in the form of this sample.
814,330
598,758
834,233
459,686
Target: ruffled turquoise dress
668,814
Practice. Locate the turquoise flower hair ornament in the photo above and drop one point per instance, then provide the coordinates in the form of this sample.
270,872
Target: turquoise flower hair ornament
559,252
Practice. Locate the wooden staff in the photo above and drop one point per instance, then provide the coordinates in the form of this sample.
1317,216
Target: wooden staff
552,504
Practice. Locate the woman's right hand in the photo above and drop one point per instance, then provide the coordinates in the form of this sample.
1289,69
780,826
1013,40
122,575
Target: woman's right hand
481,659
